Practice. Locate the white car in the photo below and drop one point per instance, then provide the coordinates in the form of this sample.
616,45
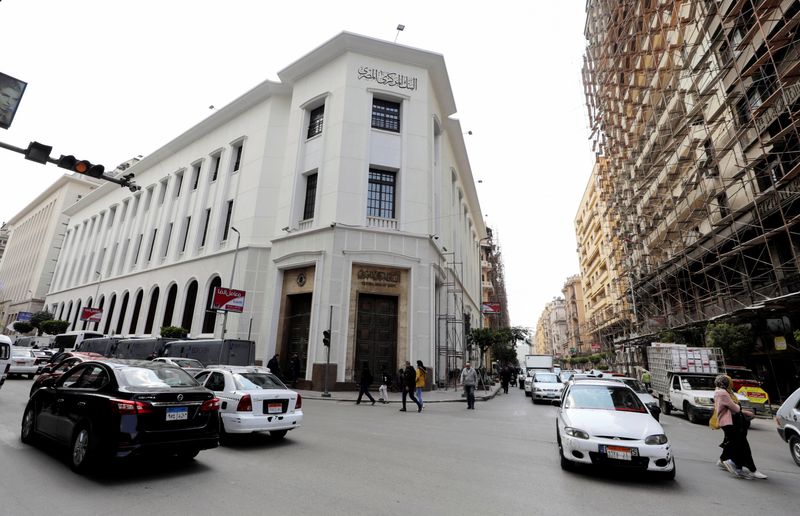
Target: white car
23,361
190,365
5,357
603,422
252,400
545,387
641,391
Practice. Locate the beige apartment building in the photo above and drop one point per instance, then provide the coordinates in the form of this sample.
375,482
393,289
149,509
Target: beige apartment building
578,337
694,105
606,310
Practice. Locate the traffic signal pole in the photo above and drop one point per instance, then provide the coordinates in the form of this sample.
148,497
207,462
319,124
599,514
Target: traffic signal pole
325,337
40,153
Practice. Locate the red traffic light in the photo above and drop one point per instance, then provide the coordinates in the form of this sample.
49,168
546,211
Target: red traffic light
81,167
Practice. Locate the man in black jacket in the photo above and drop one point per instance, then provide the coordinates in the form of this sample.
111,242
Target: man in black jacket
366,381
409,386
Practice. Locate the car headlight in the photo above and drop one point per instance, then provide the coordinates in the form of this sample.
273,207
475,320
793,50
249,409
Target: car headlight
574,432
656,439
704,401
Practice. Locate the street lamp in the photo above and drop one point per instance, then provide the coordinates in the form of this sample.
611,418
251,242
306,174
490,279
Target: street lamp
233,271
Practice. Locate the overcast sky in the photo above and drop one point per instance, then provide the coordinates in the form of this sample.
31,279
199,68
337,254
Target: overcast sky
109,80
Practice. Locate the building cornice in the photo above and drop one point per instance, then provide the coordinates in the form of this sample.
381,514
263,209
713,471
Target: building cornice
52,189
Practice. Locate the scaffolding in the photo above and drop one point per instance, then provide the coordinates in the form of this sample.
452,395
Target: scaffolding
695,106
453,322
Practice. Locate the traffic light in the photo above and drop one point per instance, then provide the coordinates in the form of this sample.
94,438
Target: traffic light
80,166
326,338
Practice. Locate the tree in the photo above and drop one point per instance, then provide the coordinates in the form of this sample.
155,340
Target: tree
735,340
54,327
23,327
174,332
38,318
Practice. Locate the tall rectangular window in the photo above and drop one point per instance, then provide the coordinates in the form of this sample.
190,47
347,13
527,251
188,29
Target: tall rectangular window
205,227
162,192
237,152
138,248
315,121
215,166
386,115
152,245
186,234
311,195
195,176
179,183
227,221
167,239
381,194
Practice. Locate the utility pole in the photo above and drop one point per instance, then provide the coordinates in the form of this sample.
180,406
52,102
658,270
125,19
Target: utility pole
233,271
326,341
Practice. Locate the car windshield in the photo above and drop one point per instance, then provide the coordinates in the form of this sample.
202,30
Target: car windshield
64,341
636,385
187,362
546,378
565,377
254,381
158,377
741,374
604,398
21,353
698,383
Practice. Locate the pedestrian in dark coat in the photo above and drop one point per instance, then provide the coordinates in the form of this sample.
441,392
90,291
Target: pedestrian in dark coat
409,386
364,383
505,378
294,369
274,366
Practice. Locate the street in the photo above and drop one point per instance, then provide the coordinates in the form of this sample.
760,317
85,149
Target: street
498,459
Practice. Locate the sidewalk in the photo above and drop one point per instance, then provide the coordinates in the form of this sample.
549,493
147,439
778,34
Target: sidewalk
451,395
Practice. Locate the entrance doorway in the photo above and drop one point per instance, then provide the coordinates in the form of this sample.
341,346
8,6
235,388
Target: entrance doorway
298,322
376,334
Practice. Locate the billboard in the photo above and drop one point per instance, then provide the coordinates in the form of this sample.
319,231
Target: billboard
91,314
24,316
490,308
11,91
228,299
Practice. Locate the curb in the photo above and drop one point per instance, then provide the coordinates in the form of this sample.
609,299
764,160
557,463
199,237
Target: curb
318,396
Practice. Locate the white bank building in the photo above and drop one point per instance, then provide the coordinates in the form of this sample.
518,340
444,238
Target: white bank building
349,192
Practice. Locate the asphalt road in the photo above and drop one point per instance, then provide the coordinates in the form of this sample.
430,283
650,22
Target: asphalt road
499,459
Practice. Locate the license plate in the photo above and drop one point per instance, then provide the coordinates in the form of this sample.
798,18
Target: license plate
274,408
618,452
177,413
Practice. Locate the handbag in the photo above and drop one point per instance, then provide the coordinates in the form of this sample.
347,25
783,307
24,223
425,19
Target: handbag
713,422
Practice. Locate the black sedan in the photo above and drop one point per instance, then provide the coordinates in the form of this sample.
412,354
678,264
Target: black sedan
119,408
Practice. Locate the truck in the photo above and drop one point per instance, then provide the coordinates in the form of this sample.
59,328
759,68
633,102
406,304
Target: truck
535,363
682,378
214,351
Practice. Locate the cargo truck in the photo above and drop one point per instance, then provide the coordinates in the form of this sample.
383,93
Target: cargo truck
535,363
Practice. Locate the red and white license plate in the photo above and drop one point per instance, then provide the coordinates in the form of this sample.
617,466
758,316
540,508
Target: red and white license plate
618,452
274,408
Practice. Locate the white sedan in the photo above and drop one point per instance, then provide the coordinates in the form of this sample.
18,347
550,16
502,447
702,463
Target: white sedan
545,386
603,422
23,361
252,400
189,365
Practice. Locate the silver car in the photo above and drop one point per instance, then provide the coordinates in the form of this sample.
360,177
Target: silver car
788,420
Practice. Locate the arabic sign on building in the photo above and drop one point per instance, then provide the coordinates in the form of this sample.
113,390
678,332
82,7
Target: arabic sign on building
91,314
378,277
228,299
387,78
490,308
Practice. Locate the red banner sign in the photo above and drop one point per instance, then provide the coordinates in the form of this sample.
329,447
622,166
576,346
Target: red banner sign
490,308
91,314
228,299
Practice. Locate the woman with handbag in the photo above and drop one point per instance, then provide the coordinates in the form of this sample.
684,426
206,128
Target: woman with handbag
736,456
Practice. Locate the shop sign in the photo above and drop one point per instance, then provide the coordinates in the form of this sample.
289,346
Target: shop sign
490,308
228,299
378,278
91,314
754,394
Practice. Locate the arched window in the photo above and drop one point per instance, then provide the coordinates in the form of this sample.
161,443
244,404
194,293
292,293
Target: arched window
210,316
137,308
67,312
122,309
60,311
76,315
110,313
172,294
99,306
188,306
151,312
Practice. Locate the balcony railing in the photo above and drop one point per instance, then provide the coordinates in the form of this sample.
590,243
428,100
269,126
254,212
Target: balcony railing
380,222
304,224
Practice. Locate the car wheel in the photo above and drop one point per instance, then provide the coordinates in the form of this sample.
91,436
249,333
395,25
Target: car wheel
794,447
566,464
666,408
28,426
187,455
278,434
669,475
82,449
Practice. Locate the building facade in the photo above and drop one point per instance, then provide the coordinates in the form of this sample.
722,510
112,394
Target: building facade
34,241
550,337
343,195
578,336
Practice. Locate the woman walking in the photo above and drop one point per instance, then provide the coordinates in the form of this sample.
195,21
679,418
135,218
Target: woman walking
736,456
364,384
420,382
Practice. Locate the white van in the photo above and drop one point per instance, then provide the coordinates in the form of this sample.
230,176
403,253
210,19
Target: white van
68,341
5,358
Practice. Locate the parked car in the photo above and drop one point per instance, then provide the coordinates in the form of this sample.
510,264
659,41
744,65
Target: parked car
214,351
103,345
545,387
56,359
189,365
5,358
23,362
788,420
48,378
603,422
117,409
69,340
253,400
35,342
141,348
641,391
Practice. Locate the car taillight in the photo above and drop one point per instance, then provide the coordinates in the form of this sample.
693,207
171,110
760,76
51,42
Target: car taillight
210,405
299,403
245,404
128,407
